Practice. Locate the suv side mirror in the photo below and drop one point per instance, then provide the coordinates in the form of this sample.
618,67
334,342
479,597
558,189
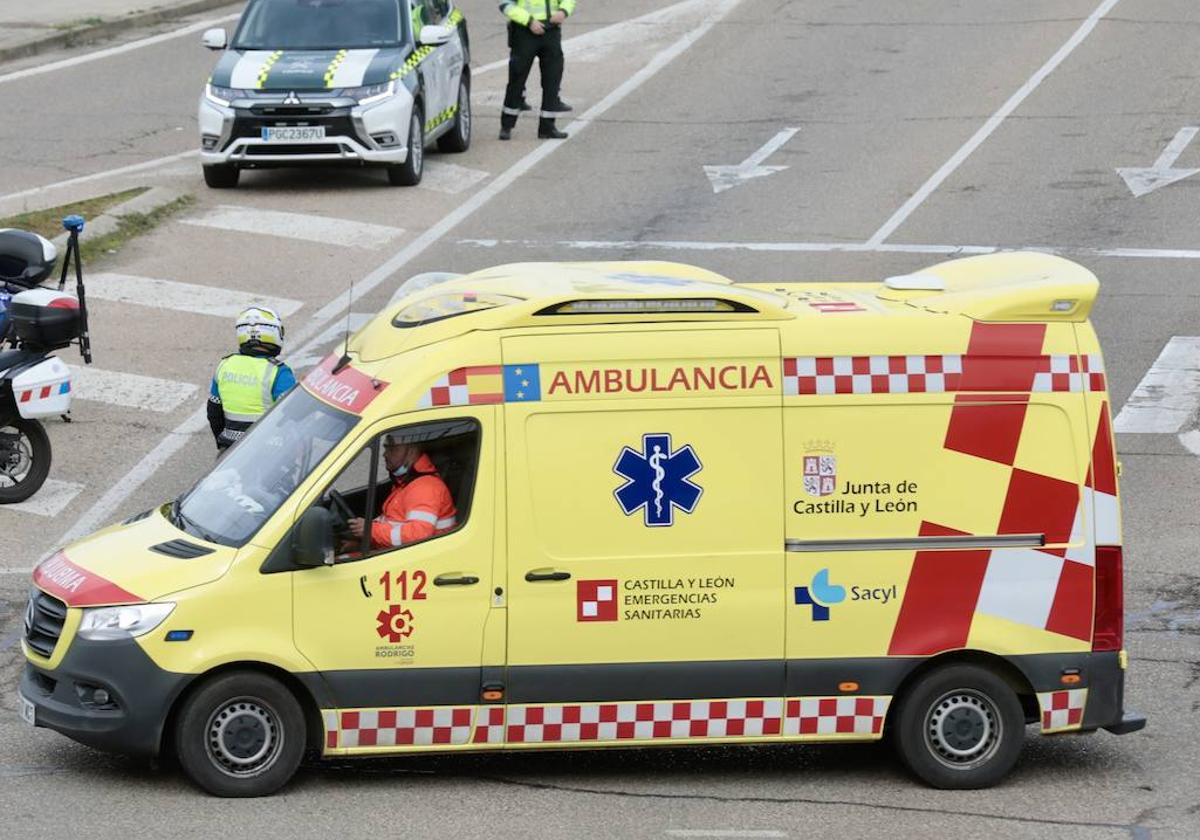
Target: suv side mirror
434,36
312,539
215,39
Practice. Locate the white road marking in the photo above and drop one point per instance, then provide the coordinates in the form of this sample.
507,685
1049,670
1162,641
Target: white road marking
122,488
823,247
51,500
927,189
157,163
327,341
727,177
450,178
129,390
722,832
595,45
1166,399
1191,441
1143,180
119,50
296,226
182,297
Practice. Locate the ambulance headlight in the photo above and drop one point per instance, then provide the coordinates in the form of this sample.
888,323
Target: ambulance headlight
110,623
371,94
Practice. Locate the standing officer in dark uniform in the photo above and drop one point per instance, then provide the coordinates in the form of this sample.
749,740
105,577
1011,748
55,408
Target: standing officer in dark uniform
535,31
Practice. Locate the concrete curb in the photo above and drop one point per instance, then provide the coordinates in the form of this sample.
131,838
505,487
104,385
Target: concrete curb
85,34
110,221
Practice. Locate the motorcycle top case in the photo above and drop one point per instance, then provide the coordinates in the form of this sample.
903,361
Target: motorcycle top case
45,319
43,390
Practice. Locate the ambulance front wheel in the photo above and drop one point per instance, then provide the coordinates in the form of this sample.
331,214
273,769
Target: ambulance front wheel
241,735
960,727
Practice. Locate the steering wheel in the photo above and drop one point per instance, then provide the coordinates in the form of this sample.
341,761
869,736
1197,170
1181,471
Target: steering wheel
342,512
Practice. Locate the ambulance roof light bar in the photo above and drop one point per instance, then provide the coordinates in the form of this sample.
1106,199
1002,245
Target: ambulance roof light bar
647,306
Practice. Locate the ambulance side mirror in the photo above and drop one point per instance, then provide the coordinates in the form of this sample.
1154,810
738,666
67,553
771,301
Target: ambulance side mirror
312,538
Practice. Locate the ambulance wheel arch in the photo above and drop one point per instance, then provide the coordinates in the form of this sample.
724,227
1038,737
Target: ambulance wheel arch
960,720
266,720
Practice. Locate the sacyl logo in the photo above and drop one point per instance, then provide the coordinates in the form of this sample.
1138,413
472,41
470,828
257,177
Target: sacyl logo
820,594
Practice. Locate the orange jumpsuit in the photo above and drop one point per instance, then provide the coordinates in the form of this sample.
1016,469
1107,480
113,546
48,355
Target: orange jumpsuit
419,507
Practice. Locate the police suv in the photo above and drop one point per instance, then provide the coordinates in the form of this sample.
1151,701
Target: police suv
336,81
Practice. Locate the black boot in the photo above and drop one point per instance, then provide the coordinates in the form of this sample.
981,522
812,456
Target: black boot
559,108
505,133
551,132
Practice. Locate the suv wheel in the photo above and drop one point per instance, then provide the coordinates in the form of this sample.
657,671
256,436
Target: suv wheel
408,174
458,138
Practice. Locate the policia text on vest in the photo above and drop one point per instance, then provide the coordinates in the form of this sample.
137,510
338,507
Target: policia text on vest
243,388
535,31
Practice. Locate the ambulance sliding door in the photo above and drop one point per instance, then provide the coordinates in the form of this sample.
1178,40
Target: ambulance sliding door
646,539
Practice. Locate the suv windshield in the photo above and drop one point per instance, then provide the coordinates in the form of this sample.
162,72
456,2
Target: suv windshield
258,475
320,25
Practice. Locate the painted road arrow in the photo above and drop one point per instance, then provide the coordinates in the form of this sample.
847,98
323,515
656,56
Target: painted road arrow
1143,180
727,177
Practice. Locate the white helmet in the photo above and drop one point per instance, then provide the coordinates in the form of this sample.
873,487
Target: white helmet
260,326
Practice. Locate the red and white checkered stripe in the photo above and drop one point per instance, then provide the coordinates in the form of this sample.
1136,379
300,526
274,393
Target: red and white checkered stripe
1062,710
835,715
1069,373
449,389
644,721
489,726
871,374
402,727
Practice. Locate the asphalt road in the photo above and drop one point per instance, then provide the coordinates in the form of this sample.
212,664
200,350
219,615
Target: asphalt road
926,128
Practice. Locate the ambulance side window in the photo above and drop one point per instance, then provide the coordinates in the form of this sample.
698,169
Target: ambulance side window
410,484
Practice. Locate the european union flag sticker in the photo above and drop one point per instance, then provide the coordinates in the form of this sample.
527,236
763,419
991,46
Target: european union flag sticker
522,383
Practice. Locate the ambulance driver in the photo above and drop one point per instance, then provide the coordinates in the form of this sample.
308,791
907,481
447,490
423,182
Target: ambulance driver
419,506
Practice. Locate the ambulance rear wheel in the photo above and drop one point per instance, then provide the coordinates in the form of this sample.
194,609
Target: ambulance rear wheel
24,458
960,727
221,176
241,735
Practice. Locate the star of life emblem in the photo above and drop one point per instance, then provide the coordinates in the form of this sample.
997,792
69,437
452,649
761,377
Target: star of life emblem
657,480
820,474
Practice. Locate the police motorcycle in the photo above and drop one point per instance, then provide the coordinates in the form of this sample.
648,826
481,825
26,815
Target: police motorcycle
34,321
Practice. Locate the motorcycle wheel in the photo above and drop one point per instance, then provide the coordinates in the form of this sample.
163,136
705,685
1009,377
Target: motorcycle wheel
24,458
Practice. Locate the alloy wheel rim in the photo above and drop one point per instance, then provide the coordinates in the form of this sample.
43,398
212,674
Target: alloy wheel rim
414,142
16,463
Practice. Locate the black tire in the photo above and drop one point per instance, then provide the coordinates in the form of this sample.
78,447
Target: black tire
240,735
408,174
458,138
960,727
24,459
222,176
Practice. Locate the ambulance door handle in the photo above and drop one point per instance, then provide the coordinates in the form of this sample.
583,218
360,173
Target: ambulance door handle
455,580
536,575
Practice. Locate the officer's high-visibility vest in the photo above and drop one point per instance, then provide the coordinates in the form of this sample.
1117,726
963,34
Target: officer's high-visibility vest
521,12
244,384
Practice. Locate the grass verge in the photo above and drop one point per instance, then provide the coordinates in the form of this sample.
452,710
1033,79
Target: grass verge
48,223
129,228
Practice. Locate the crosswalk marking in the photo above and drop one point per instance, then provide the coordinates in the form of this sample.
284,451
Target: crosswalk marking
1166,399
296,226
182,297
450,178
333,336
51,500
129,390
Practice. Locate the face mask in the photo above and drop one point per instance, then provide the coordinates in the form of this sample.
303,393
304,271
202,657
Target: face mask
400,471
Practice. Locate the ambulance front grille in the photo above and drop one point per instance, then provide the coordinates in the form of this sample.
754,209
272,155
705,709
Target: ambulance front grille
44,619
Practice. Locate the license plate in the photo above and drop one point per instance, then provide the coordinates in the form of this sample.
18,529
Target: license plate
28,711
293,134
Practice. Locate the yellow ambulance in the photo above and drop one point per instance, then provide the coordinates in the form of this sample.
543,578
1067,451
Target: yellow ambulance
674,510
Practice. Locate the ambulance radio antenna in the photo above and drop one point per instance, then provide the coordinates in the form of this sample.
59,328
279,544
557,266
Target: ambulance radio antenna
345,360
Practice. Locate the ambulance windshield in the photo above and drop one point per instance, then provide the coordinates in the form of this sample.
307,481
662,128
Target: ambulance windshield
248,484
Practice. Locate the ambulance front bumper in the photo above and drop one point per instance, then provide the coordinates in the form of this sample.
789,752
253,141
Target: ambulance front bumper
139,694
